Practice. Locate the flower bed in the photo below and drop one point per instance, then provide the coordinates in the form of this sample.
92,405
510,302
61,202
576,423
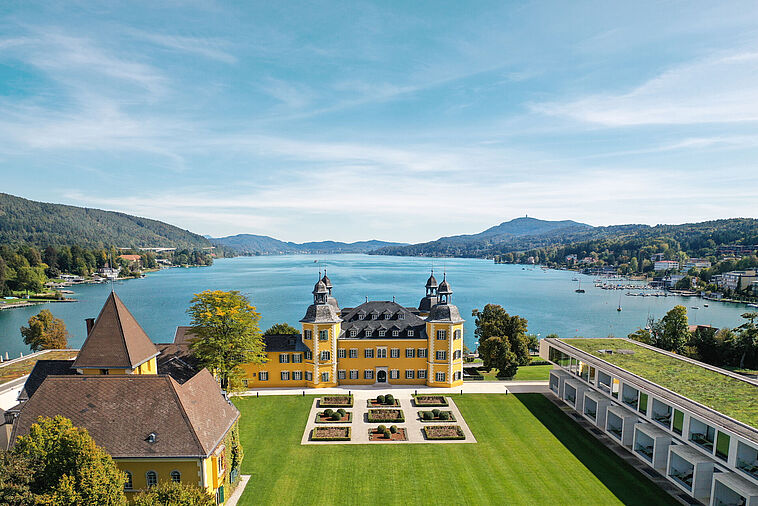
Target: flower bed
330,434
436,415
331,416
383,401
377,434
429,400
443,432
336,401
385,415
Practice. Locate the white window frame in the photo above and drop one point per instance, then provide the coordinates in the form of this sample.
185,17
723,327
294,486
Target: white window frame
395,353
297,375
440,355
353,352
325,356
342,353
175,476
457,334
440,376
421,374
421,353
368,374
129,482
308,376
307,334
263,376
368,353
368,332
382,332
410,353
297,358
341,374
148,480
410,374
457,375
323,335
394,374
325,377
284,358
308,355
381,352
395,333
285,375
441,335
374,316
401,316
387,316
353,374
410,332
353,332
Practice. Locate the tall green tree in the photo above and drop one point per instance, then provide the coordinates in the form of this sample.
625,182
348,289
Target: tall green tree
15,479
45,332
281,329
226,333
67,467
169,493
675,331
747,341
31,279
494,321
496,354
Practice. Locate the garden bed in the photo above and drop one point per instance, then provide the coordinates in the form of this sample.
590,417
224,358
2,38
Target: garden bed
429,400
336,401
330,434
436,415
443,432
379,434
383,401
385,415
331,416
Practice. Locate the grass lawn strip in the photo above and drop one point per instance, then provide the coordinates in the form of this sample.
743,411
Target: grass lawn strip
730,396
385,415
331,434
443,432
432,401
522,440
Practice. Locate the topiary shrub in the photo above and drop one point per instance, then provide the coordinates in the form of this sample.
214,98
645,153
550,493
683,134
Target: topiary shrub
389,399
328,412
436,412
381,428
342,412
427,415
380,399
387,433
335,417
393,429
444,415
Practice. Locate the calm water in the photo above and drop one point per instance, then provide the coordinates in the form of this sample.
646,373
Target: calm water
280,287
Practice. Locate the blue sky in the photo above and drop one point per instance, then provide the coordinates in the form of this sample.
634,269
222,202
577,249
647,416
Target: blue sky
392,120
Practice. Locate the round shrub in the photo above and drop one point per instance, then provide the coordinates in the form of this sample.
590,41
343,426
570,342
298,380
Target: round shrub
436,412
328,412
427,415
389,399
393,429
381,428
342,412
444,415
387,433
335,417
380,399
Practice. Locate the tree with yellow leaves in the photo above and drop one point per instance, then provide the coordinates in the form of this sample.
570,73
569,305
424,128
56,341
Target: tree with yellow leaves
225,333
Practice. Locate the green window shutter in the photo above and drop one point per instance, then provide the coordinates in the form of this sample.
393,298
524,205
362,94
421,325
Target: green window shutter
643,403
678,421
722,445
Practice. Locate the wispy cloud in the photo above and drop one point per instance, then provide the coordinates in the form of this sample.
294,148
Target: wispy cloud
212,48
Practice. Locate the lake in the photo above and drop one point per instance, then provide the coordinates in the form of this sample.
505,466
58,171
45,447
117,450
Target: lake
280,287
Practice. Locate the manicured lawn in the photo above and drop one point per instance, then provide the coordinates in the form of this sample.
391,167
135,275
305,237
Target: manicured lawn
730,396
24,367
528,452
524,373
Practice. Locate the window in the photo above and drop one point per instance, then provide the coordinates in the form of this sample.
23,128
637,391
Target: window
361,316
441,355
176,476
374,316
128,485
353,352
285,375
456,354
410,333
394,374
220,463
421,353
387,316
410,352
297,375
297,358
263,376
151,478
458,375
353,374
440,376
409,374
353,332
457,334
368,374
401,316
325,377
395,333
382,333
323,335
678,421
441,334
326,356
381,353
284,358
308,376
368,353
341,353
722,445
308,355
368,332
421,374
395,353
307,334
341,375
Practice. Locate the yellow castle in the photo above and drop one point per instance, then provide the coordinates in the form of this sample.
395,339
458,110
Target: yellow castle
375,343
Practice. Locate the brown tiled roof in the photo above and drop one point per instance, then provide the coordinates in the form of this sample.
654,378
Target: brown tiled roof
116,340
183,335
177,361
120,412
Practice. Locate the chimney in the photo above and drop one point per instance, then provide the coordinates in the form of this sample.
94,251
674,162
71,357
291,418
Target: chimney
90,323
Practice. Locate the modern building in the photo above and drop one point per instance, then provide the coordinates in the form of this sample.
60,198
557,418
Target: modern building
375,343
737,280
145,404
696,263
664,265
694,423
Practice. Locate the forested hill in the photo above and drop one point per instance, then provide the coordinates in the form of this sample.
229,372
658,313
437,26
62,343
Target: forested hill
251,244
42,224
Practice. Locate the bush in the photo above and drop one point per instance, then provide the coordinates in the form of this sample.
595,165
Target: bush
342,412
436,412
389,399
380,399
443,415
381,428
428,415
336,417
539,362
387,433
393,429
328,412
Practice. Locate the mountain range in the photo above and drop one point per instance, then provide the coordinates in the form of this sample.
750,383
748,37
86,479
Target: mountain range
250,244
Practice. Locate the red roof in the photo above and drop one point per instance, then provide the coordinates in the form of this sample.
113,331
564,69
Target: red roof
131,258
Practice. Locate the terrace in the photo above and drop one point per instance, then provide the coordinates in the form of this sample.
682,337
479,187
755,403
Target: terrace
731,396
731,490
691,471
619,423
651,444
595,407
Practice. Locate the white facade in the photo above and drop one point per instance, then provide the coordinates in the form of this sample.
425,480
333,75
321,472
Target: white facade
664,265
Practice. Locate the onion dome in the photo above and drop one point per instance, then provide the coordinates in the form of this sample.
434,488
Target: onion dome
444,288
320,288
431,282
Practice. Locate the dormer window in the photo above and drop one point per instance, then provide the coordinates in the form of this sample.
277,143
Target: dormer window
410,333
353,332
369,332
387,316
374,315
361,316
400,316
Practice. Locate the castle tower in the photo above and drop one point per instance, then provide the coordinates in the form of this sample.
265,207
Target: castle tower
444,329
321,327
330,299
430,299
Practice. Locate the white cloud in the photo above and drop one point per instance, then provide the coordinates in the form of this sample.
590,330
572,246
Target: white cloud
716,90
207,47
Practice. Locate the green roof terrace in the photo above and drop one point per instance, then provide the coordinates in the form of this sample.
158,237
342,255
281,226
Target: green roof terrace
720,391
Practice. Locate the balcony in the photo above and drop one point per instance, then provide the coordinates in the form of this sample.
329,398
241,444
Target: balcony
619,423
595,407
747,460
731,490
691,471
651,445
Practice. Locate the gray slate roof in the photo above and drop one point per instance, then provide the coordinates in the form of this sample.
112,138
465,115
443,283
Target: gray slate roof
321,313
445,313
284,343
410,321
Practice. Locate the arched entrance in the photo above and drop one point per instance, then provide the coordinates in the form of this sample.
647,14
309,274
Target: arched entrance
381,377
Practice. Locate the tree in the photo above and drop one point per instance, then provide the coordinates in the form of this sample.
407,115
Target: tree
67,467
45,332
493,321
226,333
15,479
643,336
747,341
496,354
675,330
684,284
169,493
281,329
30,279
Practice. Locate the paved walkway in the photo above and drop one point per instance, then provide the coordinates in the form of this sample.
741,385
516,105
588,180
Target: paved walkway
235,497
413,425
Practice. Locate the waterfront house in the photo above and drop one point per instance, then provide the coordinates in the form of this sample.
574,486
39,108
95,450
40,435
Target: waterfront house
695,424
665,265
696,263
737,280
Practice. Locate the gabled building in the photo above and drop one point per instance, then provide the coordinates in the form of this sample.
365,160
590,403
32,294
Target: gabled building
146,405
